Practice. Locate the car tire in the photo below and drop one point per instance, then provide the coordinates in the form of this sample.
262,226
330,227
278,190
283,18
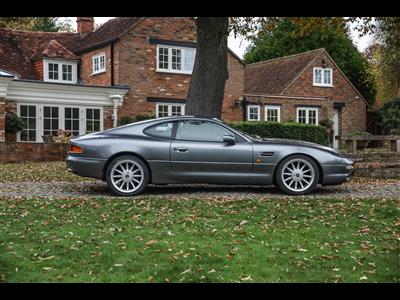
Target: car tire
297,175
127,175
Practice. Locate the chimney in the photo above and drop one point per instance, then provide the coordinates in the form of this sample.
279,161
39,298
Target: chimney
85,24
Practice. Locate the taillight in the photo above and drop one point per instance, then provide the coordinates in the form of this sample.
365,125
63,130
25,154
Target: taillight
75,149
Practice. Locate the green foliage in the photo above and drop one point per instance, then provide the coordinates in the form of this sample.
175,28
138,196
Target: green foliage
289,37
295,131
389,116
14,123
137,118
47,24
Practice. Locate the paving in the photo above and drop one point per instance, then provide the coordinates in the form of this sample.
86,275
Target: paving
375,189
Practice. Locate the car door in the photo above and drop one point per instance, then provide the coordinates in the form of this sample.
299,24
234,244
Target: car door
199,154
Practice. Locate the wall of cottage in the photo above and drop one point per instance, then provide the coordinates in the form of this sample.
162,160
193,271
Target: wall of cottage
86,68
289,106
353,114
135,64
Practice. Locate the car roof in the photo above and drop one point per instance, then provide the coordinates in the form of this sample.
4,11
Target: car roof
186,117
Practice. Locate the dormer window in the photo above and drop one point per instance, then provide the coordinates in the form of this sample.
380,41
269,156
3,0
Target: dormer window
322,77
60,71
99,63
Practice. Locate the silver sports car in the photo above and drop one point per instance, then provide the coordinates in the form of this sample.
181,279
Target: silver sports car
188,149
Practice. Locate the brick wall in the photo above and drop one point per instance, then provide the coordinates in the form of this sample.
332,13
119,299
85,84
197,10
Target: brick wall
38,69
17,152
86,68
353,114
2,119
289,106
135,64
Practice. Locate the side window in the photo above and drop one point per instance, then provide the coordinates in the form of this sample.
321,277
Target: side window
201,131
163,130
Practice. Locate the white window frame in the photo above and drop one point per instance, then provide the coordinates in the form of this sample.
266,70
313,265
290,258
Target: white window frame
322,83
170,108
307,109
60,63
275,107
170,70
61,118
100,70
248,112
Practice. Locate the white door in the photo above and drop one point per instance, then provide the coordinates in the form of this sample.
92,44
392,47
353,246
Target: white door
335,128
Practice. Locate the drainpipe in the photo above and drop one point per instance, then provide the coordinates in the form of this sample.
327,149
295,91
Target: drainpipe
112,63
117,99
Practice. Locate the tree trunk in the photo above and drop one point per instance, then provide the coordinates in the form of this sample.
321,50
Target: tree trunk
210,71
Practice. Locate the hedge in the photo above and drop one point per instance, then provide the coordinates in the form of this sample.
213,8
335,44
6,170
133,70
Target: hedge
294,131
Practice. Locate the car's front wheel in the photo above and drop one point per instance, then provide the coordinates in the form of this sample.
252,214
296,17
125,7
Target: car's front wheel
127,176
297,175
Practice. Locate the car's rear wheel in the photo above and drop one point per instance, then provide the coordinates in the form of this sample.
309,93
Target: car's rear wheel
127,176
297,175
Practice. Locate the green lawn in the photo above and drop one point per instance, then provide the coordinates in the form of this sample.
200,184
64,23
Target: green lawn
197,240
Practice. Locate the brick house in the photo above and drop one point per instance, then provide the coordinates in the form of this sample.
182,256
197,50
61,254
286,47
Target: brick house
307,88
87,81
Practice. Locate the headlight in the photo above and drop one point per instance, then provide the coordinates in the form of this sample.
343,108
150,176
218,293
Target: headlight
349,167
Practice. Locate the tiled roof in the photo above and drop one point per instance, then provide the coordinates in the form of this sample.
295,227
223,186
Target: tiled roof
274,75
54,49
18,47
108,32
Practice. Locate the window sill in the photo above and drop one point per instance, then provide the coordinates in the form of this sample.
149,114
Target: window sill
98,73
174,72
323,85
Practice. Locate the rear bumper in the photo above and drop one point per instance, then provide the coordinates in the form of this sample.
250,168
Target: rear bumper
86,167
333,175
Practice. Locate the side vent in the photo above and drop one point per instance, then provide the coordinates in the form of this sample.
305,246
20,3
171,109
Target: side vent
266,154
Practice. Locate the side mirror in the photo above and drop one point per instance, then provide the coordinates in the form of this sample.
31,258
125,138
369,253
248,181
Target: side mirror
229,139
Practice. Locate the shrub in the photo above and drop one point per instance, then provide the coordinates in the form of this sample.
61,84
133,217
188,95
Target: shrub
294,131
388,116
14,123
128,120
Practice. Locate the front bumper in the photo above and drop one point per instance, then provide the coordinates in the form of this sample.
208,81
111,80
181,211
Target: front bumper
337,174
86,167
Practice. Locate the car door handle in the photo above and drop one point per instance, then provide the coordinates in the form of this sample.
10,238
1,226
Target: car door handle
181,149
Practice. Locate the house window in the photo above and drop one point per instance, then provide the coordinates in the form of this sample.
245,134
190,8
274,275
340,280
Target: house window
59,71
67,72
307,115
175,59
92,120
99,63
272,113
71,120
48,119
28,115
53,71
253,113
167,110
322,77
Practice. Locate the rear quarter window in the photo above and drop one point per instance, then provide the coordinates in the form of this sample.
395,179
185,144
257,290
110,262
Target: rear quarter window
163,130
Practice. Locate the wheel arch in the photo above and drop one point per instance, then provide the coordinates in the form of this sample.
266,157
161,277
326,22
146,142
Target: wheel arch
114,156
321,175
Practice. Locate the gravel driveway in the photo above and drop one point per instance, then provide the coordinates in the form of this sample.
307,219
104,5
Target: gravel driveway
383,189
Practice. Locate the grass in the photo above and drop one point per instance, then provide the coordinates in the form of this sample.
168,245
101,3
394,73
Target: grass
197,240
